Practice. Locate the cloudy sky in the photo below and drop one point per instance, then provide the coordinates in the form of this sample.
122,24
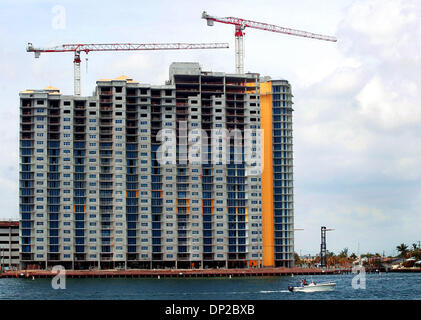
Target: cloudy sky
357,116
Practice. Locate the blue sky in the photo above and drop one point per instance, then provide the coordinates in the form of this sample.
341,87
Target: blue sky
357,102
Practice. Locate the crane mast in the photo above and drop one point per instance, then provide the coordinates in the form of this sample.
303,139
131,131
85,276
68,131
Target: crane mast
323,250
77,49
241,24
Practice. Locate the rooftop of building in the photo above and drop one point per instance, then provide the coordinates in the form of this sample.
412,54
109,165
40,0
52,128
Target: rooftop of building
176,68
120,78
9,223
194,68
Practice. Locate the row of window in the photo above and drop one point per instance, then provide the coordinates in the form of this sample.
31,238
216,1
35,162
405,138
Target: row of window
121,256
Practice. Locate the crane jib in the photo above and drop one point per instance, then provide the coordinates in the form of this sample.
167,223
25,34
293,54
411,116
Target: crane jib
78,48
241,24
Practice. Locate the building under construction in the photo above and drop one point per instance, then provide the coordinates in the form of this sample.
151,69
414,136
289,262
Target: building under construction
94,191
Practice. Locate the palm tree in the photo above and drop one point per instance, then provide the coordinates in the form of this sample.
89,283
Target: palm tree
414,246
344,253
403,249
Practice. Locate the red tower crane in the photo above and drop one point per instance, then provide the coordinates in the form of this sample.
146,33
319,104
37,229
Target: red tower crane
241,24
79,48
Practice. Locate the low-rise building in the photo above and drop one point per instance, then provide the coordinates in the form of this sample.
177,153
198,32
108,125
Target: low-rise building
9,244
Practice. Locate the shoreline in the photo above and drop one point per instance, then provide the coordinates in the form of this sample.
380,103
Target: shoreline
189,273
173,273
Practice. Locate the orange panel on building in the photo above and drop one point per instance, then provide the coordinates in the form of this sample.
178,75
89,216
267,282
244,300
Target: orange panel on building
267,175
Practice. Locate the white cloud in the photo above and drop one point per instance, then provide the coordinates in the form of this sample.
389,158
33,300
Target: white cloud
390,104
380,20
358,133
385,25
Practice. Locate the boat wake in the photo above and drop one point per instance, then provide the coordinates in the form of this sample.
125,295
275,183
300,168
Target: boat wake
273,291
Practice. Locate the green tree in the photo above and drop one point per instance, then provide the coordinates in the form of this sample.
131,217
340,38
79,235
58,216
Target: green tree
344,253
403,249
297,259
416,254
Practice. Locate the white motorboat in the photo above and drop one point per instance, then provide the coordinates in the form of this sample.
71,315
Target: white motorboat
313,287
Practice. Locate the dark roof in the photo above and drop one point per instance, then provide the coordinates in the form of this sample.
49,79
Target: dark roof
9,223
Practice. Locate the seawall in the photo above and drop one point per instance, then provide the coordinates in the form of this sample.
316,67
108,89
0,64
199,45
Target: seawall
173,273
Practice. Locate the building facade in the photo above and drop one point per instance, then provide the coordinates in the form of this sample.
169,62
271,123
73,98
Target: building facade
277,176
9,245
142,176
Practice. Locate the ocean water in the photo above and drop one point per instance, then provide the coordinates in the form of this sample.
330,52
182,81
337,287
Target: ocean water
402,286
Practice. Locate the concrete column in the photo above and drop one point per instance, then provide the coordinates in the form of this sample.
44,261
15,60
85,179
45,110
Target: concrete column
10,247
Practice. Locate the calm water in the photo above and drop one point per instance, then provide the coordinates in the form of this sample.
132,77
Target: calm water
378,286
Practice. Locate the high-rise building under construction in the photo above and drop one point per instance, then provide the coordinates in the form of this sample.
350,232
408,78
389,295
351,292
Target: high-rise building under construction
141,176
